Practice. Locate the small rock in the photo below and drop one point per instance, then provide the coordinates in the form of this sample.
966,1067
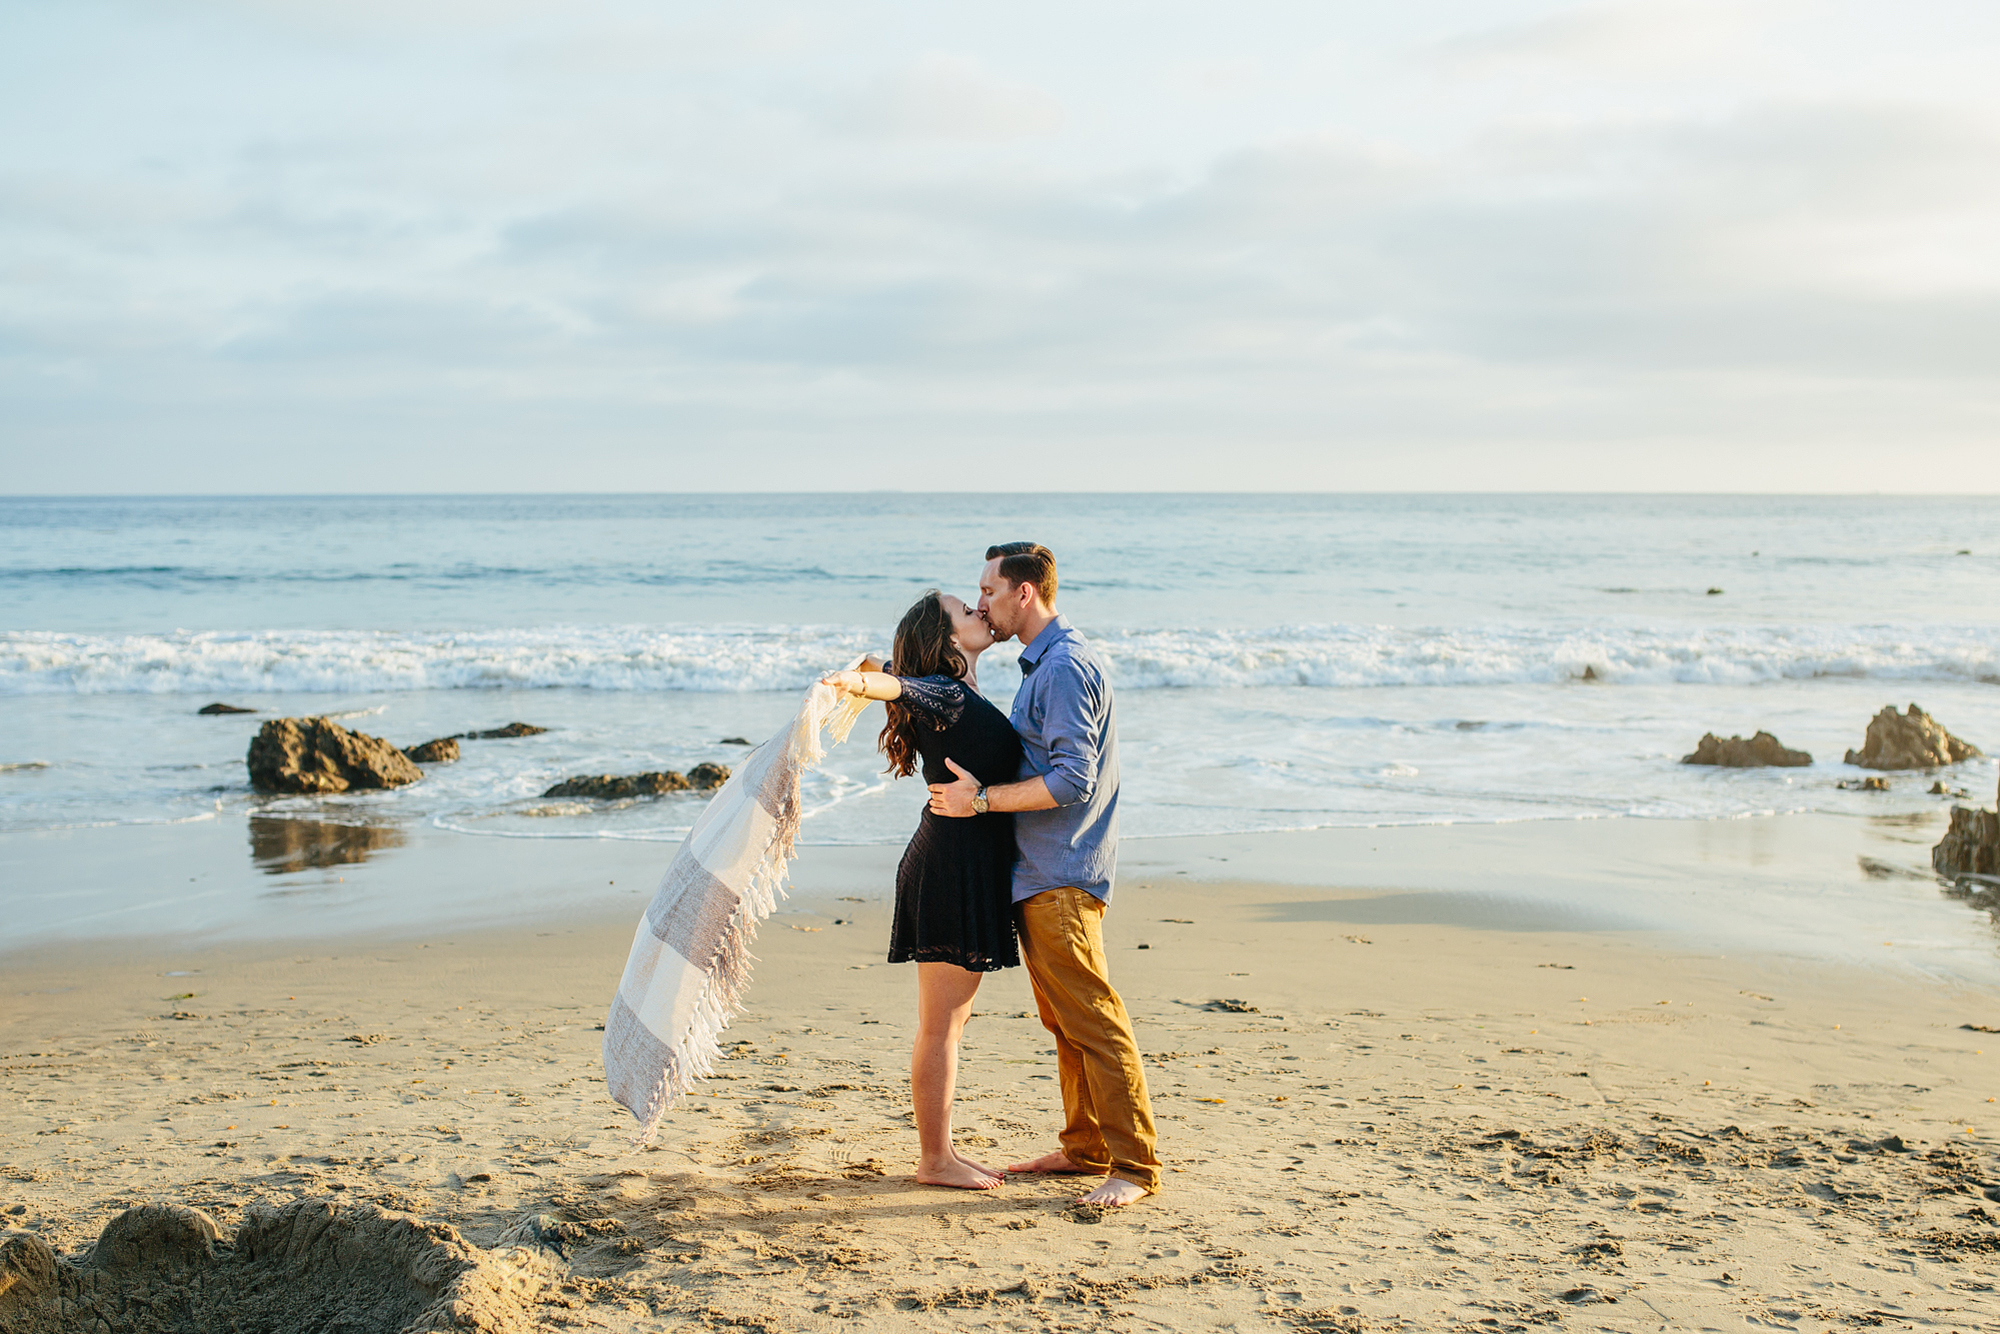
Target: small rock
1760,751
1938,789
318,756
1590,673
210,710
441,750
1912,740
1715,592
610,787
735,741
707,775
1863,785
1227,1006
501,733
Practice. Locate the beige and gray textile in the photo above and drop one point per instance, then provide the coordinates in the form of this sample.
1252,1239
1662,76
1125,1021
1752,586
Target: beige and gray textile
690,960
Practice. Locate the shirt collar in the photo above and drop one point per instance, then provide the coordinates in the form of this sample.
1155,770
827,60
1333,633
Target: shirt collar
1032,655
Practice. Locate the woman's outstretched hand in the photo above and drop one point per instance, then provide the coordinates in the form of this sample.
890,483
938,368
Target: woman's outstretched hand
851,682
954,798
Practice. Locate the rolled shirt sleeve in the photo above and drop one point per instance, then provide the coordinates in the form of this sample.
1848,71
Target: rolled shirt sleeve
1073,731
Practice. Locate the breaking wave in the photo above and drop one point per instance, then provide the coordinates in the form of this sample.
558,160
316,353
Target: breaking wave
751,658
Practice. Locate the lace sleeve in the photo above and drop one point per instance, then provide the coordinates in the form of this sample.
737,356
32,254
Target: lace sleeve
938,700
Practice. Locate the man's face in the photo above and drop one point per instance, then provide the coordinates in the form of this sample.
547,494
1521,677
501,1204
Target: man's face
999,601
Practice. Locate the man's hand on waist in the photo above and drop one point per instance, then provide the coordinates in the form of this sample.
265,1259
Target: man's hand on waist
956,797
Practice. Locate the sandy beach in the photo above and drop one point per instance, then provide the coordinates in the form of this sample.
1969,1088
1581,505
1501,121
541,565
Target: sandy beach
1384,1106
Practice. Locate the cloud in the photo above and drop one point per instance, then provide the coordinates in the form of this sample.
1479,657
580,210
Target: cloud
748,255
946,97
1632,34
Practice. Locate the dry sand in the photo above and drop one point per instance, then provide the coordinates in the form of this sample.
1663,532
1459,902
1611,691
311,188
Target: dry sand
1422,1127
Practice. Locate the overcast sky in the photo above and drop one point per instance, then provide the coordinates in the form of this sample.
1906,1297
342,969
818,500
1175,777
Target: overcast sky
423,245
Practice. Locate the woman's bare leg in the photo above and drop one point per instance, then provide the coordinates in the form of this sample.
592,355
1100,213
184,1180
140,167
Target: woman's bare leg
944,1003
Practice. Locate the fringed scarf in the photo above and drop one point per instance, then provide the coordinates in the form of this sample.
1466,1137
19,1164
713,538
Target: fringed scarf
690,961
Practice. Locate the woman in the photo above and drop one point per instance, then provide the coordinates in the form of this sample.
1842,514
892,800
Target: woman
954,890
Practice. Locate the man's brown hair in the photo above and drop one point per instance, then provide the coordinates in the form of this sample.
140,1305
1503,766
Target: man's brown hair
1027,563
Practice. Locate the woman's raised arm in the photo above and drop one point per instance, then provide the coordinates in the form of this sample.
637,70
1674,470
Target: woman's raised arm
868,685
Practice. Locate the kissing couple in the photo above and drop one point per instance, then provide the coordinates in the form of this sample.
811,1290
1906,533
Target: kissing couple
1019,839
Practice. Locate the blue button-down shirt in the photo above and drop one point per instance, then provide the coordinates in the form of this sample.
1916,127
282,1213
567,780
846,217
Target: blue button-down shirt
1069,737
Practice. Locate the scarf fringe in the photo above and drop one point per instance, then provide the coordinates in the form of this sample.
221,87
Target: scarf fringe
728,968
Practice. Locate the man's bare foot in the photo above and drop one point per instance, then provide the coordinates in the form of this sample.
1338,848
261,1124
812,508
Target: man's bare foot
977,1166
954,1173
1115,1193
1055,1162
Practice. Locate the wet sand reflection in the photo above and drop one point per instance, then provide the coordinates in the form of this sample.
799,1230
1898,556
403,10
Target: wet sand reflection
279,846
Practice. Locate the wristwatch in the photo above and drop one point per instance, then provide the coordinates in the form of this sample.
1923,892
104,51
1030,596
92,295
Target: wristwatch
979,802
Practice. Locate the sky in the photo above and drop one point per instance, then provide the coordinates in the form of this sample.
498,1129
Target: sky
258,246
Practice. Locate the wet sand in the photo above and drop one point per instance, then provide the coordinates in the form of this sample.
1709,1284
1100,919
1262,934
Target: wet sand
1385,1104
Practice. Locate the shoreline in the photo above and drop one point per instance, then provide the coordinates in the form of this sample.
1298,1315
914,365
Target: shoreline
1828,887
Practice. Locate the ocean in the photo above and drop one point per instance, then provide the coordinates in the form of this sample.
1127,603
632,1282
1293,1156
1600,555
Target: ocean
1282,662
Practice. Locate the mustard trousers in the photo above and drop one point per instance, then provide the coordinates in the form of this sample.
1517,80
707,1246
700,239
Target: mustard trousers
1108,1117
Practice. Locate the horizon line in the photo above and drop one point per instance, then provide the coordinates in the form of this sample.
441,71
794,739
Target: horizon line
897,491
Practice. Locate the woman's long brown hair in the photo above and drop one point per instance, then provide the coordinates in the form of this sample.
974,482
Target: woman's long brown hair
923,647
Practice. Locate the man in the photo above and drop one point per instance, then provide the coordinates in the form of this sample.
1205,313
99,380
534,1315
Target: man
1067,829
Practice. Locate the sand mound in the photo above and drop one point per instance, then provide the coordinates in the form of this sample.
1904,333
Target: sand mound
311,1266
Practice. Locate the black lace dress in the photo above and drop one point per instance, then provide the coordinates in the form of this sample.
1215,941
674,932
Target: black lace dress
955,888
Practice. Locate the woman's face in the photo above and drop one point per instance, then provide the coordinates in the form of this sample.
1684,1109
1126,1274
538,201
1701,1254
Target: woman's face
968,628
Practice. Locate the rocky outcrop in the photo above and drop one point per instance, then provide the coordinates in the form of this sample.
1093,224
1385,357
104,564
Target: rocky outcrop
442,750
611,787
1912,740
1970,847
210,710
1760,751
501,733
317,756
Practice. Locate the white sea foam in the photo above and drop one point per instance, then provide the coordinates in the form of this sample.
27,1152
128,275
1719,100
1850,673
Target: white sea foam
739,659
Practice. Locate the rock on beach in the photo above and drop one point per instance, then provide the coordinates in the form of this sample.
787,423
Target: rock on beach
211,710
1912,740
703,777
1760,751
708,774
1971,846
317,756
440,750
502,733
615,786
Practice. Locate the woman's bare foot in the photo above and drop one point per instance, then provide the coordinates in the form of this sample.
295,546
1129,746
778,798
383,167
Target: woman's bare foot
1053,1163
1115,1193
952,1172
977,1166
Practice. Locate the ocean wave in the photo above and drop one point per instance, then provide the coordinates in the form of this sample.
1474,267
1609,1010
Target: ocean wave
1368,655
751,658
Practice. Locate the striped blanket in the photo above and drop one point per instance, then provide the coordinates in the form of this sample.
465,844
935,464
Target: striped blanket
690,961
